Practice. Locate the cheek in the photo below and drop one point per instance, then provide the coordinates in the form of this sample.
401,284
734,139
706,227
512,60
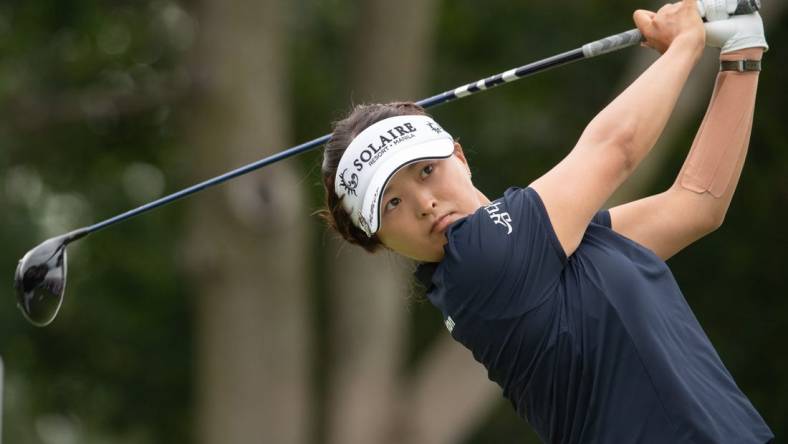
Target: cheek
461,190
394,232
403,236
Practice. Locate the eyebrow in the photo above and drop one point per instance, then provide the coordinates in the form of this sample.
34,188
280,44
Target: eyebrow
408,168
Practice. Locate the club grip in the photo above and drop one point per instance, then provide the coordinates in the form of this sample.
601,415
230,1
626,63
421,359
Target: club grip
612,43
634,37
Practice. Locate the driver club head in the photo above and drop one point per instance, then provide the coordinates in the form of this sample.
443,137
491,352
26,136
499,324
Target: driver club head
40,280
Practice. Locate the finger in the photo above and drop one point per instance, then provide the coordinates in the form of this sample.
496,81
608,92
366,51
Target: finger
690,4
693,6
643,20
669,8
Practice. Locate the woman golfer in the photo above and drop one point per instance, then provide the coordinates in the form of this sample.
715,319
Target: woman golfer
572,310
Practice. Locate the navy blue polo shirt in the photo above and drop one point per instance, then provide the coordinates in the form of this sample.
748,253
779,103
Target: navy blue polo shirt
600,347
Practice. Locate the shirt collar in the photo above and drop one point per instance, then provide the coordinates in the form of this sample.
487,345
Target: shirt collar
424,272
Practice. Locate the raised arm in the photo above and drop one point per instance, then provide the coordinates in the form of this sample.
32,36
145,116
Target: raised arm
697,202
618,138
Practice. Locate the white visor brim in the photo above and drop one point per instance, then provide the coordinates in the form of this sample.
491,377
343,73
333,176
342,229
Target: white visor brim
371,203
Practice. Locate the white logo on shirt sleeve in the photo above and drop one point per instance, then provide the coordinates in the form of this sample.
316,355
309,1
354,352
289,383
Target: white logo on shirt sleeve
449,323
499,217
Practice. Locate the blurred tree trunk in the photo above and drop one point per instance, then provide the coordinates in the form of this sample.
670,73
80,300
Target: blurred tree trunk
247,239
449,397
369,292
368,401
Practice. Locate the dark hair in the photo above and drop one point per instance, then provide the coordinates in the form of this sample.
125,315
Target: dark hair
345,130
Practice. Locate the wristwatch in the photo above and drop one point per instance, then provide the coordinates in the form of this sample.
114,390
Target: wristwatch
740,65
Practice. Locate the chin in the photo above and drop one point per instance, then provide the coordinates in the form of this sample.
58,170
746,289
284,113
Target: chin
435,256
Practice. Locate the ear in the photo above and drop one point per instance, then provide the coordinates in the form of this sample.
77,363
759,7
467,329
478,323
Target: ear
460,155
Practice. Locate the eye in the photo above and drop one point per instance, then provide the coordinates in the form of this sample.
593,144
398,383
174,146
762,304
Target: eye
427,170
392,203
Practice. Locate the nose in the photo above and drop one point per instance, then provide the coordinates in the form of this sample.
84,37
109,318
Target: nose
426,204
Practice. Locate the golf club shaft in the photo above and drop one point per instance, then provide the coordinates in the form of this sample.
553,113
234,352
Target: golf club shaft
592,49
602,46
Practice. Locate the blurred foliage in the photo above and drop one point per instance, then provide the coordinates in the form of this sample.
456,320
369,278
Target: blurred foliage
93,102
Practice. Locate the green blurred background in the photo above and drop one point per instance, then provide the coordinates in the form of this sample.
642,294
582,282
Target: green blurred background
229,317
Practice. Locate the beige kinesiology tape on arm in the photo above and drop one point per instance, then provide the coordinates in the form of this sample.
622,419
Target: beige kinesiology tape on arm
719,147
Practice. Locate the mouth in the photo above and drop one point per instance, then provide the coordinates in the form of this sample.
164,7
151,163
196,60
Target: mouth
440,224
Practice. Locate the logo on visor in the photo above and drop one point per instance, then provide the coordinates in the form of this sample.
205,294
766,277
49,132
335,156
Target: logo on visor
435,127
363,222
379,144
350,187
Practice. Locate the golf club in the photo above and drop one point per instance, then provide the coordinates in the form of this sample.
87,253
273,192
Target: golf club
40,278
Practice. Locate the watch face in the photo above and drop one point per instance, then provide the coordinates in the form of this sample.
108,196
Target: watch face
752,65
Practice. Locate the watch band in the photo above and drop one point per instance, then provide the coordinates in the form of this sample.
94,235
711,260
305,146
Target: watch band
740,65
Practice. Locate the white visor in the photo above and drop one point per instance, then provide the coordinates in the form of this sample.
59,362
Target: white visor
376,154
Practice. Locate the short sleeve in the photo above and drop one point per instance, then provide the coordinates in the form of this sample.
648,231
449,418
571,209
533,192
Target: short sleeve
602,217
504,259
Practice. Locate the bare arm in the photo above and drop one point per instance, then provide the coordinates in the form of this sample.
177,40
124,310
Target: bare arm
618,138
697,202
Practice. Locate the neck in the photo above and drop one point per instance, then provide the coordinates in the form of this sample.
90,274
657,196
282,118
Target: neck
483,200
